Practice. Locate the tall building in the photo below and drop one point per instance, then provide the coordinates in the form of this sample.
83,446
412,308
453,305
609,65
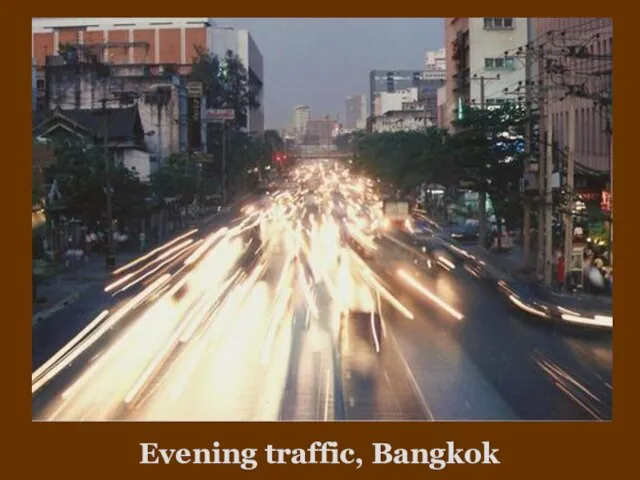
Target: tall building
300,118
321,131
356,111
391,81
481,62
170,43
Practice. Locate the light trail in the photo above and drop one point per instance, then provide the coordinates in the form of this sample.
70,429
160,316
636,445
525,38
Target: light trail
431,296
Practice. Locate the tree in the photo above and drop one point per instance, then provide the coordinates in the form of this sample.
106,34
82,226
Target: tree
79,172
178,177
487,154
226,84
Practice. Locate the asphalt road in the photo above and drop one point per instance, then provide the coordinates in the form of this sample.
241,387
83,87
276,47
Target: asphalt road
243,321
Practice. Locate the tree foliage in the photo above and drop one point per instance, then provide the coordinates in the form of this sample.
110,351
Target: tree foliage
484,153
79,171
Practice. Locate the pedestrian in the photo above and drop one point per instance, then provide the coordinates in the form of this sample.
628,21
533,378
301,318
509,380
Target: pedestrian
560,272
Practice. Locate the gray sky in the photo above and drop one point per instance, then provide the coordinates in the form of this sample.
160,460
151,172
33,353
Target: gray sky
320,61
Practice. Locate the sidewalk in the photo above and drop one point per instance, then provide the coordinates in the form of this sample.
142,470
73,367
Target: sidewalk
510,265
62,289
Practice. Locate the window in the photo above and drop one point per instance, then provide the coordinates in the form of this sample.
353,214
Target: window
499,62
498,23
40,84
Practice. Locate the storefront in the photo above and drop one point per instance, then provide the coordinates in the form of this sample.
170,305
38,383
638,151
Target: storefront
591,212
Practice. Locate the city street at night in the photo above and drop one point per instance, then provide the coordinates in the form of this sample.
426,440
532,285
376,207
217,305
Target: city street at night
305,306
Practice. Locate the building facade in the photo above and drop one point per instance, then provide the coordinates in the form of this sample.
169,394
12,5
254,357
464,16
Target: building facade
301,115
321,131
435,60
592,115
400,120
442,104
161,100
389,81
390,101
34,85
482,66
494,43
355,111
170,44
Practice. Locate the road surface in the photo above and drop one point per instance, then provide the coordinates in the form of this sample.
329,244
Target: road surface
240,321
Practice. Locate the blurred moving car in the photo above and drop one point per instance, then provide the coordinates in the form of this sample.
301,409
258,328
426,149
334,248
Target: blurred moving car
361,339
467,232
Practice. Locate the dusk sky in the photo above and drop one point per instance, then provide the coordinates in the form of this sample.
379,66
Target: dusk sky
319,62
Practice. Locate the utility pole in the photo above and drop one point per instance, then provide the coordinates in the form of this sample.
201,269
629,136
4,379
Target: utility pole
110,260
482,195
568,219
611,196
526,207
542,167
224,162
548,203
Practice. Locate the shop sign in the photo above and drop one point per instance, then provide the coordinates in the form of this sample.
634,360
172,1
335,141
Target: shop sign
606,200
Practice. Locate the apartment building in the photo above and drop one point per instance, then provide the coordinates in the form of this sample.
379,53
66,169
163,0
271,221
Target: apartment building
482,66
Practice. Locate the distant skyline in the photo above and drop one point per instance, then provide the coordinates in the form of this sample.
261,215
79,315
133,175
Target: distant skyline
320,62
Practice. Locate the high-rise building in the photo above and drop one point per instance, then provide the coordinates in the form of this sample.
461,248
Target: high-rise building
300,118
481,62
356,111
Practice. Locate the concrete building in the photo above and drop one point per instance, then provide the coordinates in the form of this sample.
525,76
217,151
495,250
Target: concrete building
164,114
321,131
475,50
389,81
126,137
592,138
442,104
400,120
435,60
388,101
355,111
169,43
34,85
300,118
